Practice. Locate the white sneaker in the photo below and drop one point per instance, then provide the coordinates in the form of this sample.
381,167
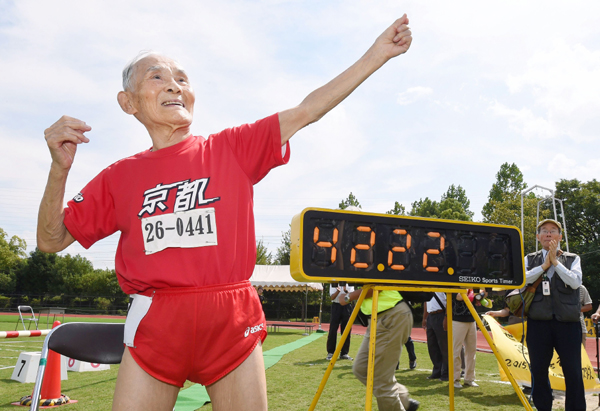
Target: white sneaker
457,384
329,357
471,384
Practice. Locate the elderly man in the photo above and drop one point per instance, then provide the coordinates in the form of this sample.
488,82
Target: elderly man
553,319
187,246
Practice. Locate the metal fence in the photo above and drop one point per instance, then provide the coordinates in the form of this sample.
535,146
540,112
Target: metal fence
75,304
277,306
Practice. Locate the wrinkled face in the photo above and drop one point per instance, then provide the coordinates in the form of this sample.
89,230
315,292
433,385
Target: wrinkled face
161,93
547,233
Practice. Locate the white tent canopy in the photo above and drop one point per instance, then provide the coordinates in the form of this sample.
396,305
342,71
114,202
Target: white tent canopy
278,278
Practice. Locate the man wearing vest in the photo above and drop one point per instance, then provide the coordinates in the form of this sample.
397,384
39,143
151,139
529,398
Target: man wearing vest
394,324
553,319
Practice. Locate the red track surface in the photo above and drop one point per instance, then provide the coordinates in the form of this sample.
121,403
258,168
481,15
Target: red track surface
122,317
418,334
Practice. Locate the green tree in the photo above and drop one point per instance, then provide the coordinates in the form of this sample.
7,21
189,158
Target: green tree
263,256
12,253
509,185
100,282
425,208
69,271
581,202
459,194
508,212
454,205
282,255
350,201
49,273
398,209
453,209
38,275
504,204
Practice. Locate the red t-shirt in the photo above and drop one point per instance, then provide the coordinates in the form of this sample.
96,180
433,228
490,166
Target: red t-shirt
185,212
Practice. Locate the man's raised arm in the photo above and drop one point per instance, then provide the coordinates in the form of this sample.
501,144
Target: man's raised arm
395,40
62,139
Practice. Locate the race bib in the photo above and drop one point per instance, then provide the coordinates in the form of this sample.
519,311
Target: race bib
186,229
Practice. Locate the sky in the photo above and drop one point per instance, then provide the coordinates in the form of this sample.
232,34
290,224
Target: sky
483,83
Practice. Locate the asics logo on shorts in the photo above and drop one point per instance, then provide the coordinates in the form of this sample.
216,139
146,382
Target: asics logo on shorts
252,330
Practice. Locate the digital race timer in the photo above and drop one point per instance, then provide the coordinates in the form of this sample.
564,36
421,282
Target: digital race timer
339,245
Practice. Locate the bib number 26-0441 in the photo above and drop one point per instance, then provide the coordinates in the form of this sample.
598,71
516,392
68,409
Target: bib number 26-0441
187,229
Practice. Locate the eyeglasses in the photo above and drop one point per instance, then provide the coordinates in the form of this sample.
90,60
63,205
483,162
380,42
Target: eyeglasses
549,232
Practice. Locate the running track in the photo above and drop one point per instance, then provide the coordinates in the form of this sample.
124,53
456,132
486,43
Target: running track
418,334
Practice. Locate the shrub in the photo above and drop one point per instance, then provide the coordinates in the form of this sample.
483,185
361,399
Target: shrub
57,299
102,303
4,302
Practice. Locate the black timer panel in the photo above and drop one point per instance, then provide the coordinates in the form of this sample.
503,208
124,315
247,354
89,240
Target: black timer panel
364,246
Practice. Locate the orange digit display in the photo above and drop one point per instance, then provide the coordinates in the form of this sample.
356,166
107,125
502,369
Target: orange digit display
364,241
396,249
354,246
330,244
433,251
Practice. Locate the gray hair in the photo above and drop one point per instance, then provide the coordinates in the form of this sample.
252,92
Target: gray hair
128,70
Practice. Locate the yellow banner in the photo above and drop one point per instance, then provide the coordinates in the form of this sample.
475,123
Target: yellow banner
516,357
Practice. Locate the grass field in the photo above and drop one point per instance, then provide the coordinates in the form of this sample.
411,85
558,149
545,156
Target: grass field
292,382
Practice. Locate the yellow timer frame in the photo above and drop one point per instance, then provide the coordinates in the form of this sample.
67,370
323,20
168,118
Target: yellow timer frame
360,247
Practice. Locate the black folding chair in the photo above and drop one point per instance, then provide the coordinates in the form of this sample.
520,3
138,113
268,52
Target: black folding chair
100,343
25,309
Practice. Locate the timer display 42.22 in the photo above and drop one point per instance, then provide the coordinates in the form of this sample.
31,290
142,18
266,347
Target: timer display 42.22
338,245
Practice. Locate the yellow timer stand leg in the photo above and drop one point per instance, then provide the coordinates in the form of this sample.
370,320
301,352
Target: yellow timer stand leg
371,361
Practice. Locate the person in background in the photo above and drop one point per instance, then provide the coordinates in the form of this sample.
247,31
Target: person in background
586,305
505,312
464,334
340,314
412,357
394,324
434,322
410,350
261,297
596,315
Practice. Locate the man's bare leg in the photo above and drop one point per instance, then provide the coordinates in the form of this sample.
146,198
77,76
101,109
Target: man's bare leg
138,390
244,388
